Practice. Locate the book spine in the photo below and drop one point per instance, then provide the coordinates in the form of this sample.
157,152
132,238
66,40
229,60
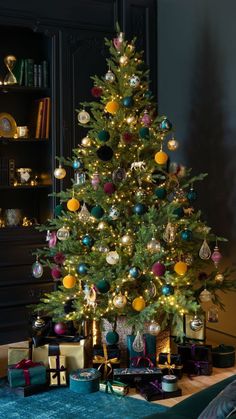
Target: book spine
11,172
45,73
48,117
35,75
39,75
39,120
30,72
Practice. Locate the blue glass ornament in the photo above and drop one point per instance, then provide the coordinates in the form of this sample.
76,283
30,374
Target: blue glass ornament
139,209
186,234
87,240
179,212
128,101
82,268
165,125
160,193
97,212
103,286
192,195
103,135
144,132
167,289
77,164
134,272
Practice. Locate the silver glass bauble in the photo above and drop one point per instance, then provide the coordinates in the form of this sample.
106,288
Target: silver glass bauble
196,324
154,328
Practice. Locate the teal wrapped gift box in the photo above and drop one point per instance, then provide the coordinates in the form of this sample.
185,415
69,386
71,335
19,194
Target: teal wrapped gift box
146,358
26,373
85,380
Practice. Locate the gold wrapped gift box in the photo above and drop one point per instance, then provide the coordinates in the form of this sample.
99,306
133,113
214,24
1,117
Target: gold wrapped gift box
57,369
16,355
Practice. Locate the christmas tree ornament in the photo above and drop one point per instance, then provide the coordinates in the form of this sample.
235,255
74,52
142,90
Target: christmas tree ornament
102,248
139,303
69,281
63,233
128,137
73,205
205,251
138,165
213,314
37,269
128,101
126,240
123,60
192,195
102,225
151,290
134,81
79,177
144,133
165,125
56,272
103,286
139,209
118,41
189,259
205,296
84,214
112,257
52,240
90,296
95,180
109,188
219,277
172,144
77,164
105,153
59,258
97,212
39,323
60,328
110,77
131,120
167,290
119,175
216,256
140,193
154,246
96,91
114,213
103,135
134,272
180,268
161,157
112,107
87,240
86,142
120,301
186,234
154,328
158,269
82,268
59,172
196,324
83,117
146,119
58,210
112,338
179,212
169,233
138,344
160,192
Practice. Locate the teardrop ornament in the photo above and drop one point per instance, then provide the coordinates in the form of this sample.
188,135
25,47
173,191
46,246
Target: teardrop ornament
205,251
138,343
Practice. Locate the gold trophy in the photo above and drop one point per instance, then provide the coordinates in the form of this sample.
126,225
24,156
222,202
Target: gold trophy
10,61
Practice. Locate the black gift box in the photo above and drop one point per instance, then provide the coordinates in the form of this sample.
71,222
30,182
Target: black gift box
200,357
106,362
153,391
174,358
176,366
28,390
113,351
198,367
134,376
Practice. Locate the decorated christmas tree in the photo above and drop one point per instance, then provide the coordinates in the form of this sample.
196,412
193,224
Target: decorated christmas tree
126,239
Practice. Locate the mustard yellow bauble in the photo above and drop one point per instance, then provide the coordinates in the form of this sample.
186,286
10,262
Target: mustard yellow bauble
73,204
138,303
180,268
161,157
112,107
69,281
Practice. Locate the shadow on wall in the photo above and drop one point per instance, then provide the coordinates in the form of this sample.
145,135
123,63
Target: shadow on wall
206,147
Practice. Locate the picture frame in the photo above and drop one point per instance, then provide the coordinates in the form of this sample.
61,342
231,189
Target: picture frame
8,126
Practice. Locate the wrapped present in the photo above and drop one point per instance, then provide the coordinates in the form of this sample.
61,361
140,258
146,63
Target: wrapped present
114,387
171,363
15,354
85,381
132,376
198,368
198,354
105,362
29,390
146,358
26,373
153,391
113,351
57,370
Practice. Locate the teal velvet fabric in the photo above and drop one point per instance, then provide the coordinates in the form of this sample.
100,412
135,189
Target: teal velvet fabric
37,375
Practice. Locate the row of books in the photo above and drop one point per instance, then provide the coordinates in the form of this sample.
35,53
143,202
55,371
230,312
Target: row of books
7,172
30,74
40,121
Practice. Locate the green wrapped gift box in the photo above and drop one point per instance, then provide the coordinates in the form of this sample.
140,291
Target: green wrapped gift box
114,387
26,373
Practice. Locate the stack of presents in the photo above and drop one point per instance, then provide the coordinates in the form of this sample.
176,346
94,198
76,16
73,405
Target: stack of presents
71,361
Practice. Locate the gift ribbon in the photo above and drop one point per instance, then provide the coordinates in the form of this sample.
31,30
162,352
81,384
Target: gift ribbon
24,365
57,371
103,360
198,365
109,386
135,360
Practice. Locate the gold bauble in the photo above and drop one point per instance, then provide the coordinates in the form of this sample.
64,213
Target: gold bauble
172,144
161,157
73,204
154,246
123,60
219,277
59,172
112,107
120,301
86,142
180,268
102,225
69,281
126,240
138,303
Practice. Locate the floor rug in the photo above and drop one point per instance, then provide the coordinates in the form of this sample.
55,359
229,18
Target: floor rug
61,403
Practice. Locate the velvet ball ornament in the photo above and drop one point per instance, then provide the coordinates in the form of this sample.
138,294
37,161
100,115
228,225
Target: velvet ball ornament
112,338
138,303
127,137
103,286
105,153
158,269
144,133
82,268
192,195
167,290
60,328
179,212
128,101
180,268
59,258
96,91
112,107
56,272
69,281
165,125
58,210
97,212
87,240
186,235
160,193
161,157
109,188
77,164
59,172
73,204
103,135
134,272
139,209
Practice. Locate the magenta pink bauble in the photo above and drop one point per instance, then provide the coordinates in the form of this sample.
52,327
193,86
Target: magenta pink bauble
109,188
60,328
56,272
158,269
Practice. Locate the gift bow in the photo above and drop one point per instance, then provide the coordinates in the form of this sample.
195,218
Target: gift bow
103,360
168,364
24,365
137,359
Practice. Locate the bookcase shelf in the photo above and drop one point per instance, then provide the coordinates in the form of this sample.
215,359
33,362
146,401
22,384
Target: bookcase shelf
6,140
23,89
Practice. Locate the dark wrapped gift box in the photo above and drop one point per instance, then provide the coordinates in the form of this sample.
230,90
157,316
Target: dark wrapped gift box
174,365
198,367
28,390
105,358
153,391
132,376
194,352
146,358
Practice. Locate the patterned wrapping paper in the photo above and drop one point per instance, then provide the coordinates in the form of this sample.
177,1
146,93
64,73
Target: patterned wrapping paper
85,380
26,373
15,354
133,376
57,370
146,358
114,387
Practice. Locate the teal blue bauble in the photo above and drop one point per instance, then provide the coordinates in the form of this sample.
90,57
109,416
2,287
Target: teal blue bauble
139,209
186,235
97,212
167,289
128,101
77,164
165,125
103,286
160,193
103,135
144,132
58,210
134,272
82,268
87,240
112,338
148,94
179,212
192,195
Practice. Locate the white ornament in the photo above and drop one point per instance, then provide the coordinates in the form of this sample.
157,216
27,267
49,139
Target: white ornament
205,296
86,142
83,117
110,77
114,213
138,165
112,258
134,81
154,328
63,233
138,343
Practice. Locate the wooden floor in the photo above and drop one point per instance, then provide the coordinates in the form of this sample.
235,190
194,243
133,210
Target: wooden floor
190,386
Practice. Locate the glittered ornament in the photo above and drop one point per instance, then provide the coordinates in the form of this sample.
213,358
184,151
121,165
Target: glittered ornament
139,209
167,290
119,175
82,268
196,324
103,135
123,60
205,251
102,225
73,204
165,125
216,256
37,269
186,234
139,303
119,301
172,144
110,77
180,268
77,164
188,259
60,328
118,41
131,120
97,212
63,233
103,286
95,180
83,117
144,133
109,188
154,328
169,233
219,277
192,195
39,323
154,246
128,101
134,272
112,107
126,240
58,210
114,213
69,281
102,248
112,257
84,214
86,142
59,172
105,153
87,240
158,269
128,137
160,193
146,119
112,338
134,81
138,344
205,296
56,272
161,157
